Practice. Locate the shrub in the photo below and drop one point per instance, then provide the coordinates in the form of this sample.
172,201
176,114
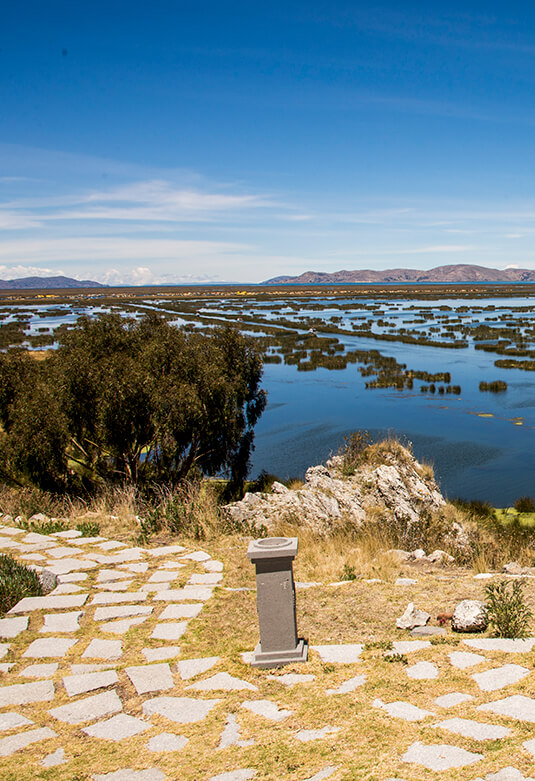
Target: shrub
16,582
507,613
89,528
44,527
525,504
352,450
348,573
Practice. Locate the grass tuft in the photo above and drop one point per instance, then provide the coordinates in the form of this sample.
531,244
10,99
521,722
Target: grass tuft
16,582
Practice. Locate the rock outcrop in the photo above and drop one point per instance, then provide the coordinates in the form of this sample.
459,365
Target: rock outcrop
392,484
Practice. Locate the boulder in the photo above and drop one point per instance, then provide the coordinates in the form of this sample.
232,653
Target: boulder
40,518
48,580
440,557
418,554
513,568
412,617
469,616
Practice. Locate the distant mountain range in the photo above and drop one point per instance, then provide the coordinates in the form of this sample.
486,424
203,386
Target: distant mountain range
46,283
461,272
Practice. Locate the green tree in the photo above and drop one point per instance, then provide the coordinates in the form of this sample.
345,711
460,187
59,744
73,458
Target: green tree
132,400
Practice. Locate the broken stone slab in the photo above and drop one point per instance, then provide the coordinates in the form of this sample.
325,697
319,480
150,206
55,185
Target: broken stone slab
469,616
306,735
322,774
231,734
428,631
169,631
122,626
213,566
11,627
506,774
62,622
117,728
22,740
452,699
168,550
199,555
86,682
64,566
499,677
516,706
122,585
180,611
121,611
49,646
439,757
28,604
12,720
266,708
66,588
210,579
5,667
24,693
189,668
403,710
222,681
345,653
349,685
72,577
473,729
149,774
63,552
193,593
56,758
103,649
166,741
141,566
70,534
529,745
40,670
502,644
290,679
160,654
111,575
422,671
182,710
150,677
167,576
464,659
113,598
88,709
111,545
412,617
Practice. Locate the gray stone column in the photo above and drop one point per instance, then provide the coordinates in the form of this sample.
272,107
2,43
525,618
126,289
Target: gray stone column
275,600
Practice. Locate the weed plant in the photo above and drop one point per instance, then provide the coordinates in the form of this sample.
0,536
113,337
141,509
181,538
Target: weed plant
16,582
507,612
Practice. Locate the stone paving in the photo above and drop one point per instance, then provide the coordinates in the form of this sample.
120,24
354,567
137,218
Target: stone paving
65,675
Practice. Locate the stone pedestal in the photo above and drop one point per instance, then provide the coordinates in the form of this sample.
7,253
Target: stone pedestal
275,599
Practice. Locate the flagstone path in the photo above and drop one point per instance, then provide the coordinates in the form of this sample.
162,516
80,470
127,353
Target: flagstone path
97,658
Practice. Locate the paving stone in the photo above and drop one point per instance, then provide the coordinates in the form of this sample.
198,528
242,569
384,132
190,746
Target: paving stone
502,644
111,545
213,565
111,575
11,530
117,728
473,729
156,587
197,593
167,741
235,775
167,550
28,604
89,708
118,558
122,626
22,740
439,757
72,577
103,649
56,758
196,556
427,631
422,671
61,553
66,588
12,720
464,659
180,611
121,611
62,622
70,534
499,677
222,681
403,710
5,667
182,710
81,669
290,679
169,631
40,670
347,653
160,654
150,677
516,707
49,646
529,745
4,648
87,682
267,708
231,734
189,668
64,566
138,567
452,699
506,774
410,646
111,598
11,627
348,686
33,537
123,585
89,540
322,774
483,576
405,582
149,774
163,577
305,735
30,556
211,578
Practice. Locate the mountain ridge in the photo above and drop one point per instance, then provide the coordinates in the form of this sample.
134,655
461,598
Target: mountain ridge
460,272
46,283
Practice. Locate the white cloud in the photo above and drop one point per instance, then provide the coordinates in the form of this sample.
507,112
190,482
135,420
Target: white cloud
14,272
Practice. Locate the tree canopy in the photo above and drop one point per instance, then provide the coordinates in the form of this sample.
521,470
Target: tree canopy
131,400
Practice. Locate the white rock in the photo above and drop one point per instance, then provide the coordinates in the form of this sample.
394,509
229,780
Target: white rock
412,617
469,616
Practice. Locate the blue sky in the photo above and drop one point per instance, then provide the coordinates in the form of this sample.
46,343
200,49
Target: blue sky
208,141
